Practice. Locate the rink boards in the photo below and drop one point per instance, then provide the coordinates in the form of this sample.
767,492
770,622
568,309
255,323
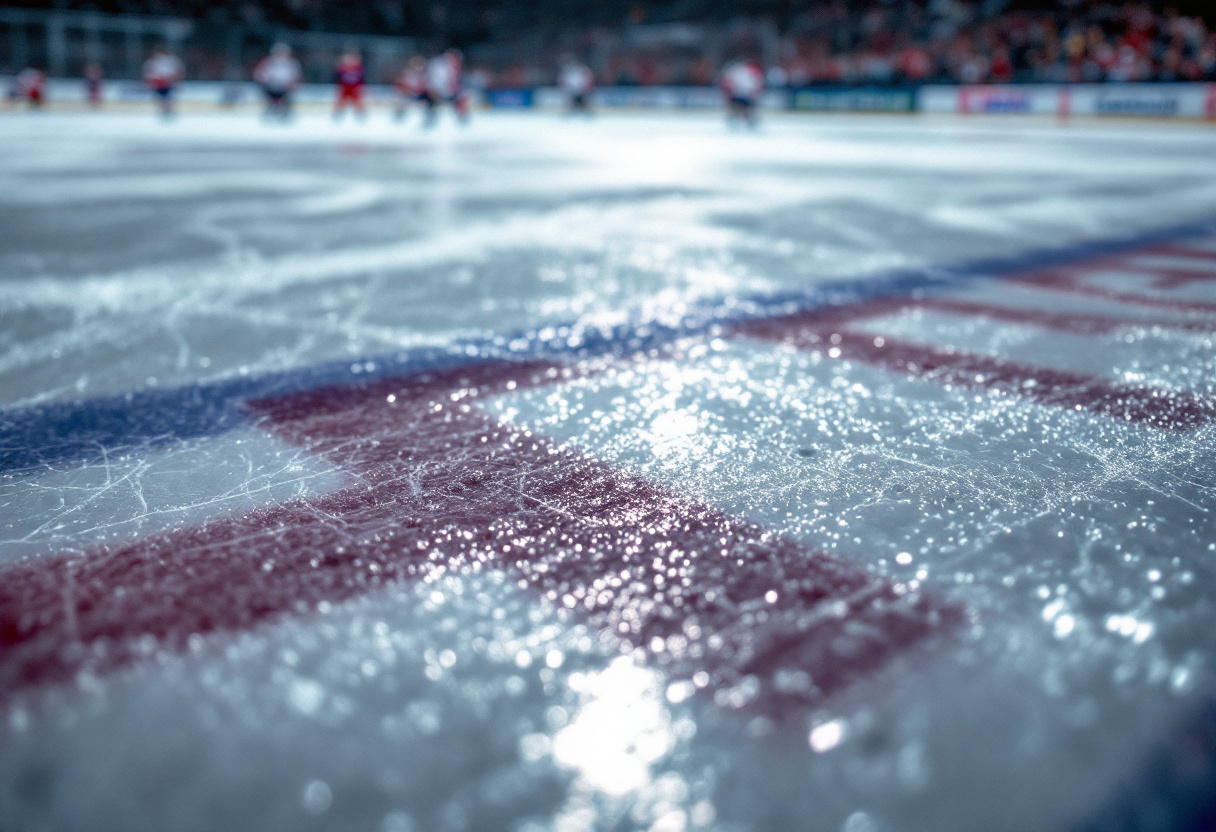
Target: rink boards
1136,100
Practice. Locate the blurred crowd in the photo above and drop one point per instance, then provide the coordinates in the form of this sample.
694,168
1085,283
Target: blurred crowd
949,40
525,43
943,41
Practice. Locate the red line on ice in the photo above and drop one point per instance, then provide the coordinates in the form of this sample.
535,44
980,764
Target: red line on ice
1159,407
440,485
1077,323
1073,281
1181,250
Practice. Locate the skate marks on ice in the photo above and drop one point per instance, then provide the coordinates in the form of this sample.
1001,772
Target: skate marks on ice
42,435
442,488
432,484
113,618
207,248
40,622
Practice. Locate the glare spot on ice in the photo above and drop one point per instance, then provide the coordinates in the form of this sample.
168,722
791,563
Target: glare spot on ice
827,736
671,433
1064,625
1130,627
620,731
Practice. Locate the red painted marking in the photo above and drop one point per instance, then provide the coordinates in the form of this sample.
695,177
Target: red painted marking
1182,250
1064,280
1169,409
1076,323
1079,323
1175,278
1172,277
1164,275
442,486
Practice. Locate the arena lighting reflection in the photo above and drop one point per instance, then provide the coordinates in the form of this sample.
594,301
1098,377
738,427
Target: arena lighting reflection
674,433
622,728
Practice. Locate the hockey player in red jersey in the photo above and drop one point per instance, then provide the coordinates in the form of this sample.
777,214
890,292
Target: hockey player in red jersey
31,85
410,86
350,79
443,83
742,84
278,74
162,72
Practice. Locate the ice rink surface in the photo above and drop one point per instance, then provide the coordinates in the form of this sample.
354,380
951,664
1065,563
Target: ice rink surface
853,474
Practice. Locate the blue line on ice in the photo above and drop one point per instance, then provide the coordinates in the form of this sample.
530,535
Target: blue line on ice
80,430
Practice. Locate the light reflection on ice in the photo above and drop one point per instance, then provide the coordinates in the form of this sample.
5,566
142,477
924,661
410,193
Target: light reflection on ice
672,433
621,729
1130,627
827,736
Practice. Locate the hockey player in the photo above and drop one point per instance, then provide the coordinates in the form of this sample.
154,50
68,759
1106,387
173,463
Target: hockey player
443,84
577,82
278,74
350,79
162,72
742,84
31,85
94,80
411,86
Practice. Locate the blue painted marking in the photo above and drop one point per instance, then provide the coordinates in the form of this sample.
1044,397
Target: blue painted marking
75,431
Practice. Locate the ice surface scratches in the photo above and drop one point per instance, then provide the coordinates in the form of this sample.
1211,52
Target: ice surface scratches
314,245
125,491
739,583
440,488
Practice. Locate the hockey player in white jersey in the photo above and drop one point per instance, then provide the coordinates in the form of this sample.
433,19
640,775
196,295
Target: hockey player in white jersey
443,83
577,82
278,74
742,84
411,86
162,72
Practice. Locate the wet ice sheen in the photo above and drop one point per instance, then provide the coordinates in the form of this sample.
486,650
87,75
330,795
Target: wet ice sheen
1054,563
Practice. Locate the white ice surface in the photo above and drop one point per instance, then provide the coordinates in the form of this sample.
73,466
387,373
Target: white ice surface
137,254
132,492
